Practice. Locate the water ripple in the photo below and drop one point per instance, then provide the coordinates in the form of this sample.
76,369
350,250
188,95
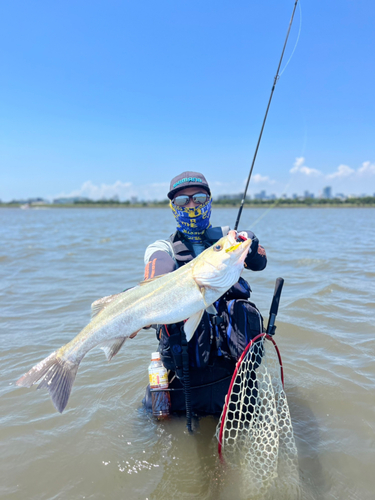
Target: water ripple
55,263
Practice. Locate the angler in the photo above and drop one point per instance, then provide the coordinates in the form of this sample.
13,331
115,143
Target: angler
222,335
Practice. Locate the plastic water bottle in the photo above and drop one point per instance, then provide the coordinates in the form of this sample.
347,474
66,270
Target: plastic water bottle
161,401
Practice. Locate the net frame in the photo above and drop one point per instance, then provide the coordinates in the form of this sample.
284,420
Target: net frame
255,431
223,417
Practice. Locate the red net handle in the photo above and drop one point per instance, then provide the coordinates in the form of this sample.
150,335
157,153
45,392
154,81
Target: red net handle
225,409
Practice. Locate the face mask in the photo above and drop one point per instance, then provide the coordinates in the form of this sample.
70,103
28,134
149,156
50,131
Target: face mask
193,221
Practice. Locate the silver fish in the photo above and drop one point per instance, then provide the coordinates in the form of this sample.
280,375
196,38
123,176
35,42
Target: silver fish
181,295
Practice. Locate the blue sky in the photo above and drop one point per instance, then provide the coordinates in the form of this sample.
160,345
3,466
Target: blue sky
102,98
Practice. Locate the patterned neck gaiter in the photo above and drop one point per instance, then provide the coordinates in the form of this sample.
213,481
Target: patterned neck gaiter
193,222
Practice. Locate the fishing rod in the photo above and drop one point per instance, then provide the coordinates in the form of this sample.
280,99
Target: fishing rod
265,118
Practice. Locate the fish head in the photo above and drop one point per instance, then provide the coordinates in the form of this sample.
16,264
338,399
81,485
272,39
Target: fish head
220,266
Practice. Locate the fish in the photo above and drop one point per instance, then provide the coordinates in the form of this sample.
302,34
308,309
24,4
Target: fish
182,295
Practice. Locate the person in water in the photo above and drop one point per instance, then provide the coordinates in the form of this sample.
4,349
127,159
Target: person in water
224,332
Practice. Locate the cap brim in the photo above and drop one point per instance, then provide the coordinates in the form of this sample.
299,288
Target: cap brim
172,193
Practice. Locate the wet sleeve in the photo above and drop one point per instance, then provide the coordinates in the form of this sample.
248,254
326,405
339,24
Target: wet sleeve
163,245
159,259
256,259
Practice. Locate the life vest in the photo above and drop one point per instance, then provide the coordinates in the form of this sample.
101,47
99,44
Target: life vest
224,335
182,248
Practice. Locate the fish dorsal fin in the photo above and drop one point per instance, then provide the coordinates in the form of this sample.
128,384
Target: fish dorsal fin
192,324
100,304
144,282
112,347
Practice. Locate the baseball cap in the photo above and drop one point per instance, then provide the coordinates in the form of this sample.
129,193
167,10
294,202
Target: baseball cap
185,180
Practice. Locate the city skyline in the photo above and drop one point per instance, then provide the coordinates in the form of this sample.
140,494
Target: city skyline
262,195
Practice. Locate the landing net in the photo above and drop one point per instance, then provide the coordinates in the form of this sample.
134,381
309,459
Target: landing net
255,431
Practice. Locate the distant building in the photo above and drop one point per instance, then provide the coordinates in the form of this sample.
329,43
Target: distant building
260,196
71,200
307,194
42,202
31,201
223,197
341,196
327,192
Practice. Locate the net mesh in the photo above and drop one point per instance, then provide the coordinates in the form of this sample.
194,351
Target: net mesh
255,430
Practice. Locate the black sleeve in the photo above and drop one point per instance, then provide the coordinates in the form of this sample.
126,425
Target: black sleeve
257,258
160,263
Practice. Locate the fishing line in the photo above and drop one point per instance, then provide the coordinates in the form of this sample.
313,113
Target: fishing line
274,205
295,45
265,117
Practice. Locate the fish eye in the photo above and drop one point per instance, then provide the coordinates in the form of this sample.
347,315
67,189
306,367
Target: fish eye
217,247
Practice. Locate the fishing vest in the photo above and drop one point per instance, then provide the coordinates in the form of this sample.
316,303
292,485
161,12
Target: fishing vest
223,335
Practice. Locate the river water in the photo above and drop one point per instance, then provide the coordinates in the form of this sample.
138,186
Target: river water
54,263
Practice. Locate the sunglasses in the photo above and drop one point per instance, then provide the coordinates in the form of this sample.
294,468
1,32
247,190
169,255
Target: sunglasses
183,199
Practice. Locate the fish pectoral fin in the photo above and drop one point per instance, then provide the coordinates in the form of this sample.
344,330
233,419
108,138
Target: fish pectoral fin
203,293
192,324
212,310
100,304
112,347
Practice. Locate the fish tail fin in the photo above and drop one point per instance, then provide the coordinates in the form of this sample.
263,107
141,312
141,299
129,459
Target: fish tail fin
55,374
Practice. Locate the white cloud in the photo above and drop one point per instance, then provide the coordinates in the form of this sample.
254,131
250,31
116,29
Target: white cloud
152,191
90,190
341,172
367,168
299,162
299,167
123,190
309,171
257,178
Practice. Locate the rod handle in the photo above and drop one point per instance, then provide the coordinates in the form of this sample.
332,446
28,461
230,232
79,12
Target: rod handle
275,306
276,296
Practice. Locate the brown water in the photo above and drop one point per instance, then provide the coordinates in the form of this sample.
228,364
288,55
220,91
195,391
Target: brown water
54,263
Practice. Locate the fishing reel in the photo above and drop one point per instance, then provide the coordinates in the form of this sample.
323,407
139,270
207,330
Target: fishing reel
241,236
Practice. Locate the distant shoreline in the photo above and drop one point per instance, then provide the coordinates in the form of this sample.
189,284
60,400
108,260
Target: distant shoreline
355,203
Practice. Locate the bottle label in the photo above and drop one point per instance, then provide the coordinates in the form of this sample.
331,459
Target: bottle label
158,378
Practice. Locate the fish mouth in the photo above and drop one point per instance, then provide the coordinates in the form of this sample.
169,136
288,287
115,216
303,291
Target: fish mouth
243,245
232,240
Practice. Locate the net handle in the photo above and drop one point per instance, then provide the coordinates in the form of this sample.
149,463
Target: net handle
225,409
